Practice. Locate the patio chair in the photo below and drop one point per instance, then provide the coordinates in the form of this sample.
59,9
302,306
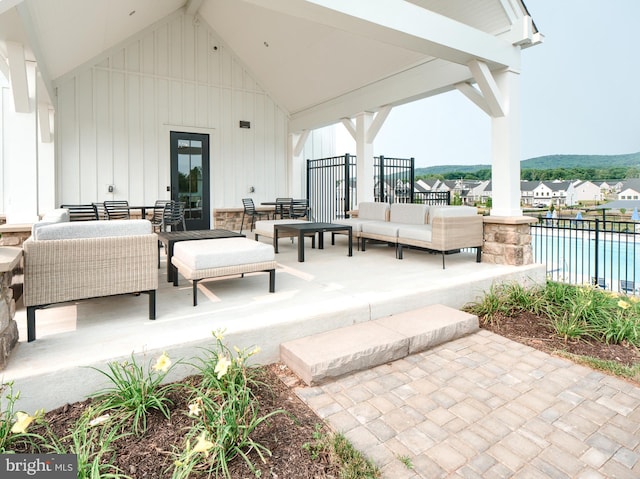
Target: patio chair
599,282
250,210
299,209
117,209
627,286
102,213
283,208
157,219
173,216
81,212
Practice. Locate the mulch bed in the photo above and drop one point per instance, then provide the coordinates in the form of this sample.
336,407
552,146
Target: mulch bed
535,331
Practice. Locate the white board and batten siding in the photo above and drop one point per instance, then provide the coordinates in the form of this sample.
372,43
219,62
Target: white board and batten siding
114,117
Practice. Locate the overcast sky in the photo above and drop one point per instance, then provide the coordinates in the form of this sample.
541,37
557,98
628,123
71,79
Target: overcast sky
580,94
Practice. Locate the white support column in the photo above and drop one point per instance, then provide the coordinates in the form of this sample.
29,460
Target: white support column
364,152
21,159
298,168
505,170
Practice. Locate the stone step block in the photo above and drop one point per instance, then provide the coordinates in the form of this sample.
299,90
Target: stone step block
335,353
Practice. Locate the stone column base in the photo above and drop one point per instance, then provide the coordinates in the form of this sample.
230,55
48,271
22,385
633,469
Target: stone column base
507,240
9,261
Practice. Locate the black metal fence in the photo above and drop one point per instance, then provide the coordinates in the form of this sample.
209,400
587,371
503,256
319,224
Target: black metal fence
585,251
331,185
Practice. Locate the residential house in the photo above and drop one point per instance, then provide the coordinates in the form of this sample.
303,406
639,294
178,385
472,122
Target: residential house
583,192
527,194
629,190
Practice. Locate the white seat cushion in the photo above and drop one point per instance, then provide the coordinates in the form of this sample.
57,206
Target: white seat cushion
369,210
450,211
409,213
216,253
92,229
355,223
415,232
383,228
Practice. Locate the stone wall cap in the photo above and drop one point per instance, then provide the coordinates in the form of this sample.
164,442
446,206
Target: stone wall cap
9,258
16,228
240,210
510,220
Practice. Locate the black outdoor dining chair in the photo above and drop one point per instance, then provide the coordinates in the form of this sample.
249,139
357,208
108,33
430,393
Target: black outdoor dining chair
283,207
299,208
101,212
173,216
250,210
117,209
81,212
157,219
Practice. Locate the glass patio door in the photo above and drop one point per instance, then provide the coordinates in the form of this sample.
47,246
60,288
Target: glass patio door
190,177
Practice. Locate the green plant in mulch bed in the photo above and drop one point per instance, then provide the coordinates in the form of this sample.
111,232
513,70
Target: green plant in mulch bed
14,425
134,391
228,413
91,439
574,312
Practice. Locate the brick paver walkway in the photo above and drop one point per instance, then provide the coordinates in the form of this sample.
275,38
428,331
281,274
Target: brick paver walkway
486,407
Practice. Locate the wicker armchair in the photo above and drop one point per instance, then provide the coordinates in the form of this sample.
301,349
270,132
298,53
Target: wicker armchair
71,261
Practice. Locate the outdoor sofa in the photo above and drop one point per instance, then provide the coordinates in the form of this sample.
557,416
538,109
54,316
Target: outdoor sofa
67,261
441,228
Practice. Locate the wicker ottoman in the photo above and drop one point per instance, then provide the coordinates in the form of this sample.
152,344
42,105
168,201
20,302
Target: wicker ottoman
196,260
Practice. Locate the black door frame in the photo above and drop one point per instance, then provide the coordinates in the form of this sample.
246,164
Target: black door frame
204,222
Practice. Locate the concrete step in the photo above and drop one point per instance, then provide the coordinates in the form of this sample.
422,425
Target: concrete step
334,353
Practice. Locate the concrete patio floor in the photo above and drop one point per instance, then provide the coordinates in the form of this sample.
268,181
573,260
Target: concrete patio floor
327,291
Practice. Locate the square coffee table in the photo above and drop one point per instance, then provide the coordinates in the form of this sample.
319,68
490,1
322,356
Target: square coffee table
303,229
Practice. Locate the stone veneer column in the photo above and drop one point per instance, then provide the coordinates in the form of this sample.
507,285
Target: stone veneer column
9,259
507,240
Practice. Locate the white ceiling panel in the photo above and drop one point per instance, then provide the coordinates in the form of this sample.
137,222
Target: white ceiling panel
72,32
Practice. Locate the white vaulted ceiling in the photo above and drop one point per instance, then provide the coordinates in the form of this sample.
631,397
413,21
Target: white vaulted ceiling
320,59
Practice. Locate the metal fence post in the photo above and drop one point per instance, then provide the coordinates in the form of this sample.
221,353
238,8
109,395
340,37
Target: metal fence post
596,245
347,185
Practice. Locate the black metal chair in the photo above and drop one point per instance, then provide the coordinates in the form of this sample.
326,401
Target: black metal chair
157,219
117,209
299,209
250,210
173,216
283,208
81,212
102,213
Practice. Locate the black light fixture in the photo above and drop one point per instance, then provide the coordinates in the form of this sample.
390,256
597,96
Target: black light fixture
245,124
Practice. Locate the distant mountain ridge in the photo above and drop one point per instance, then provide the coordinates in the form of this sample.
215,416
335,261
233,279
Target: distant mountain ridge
545,163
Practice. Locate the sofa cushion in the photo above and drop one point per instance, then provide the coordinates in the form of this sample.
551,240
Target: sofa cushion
415,232
450,211
60,215
369,210
92,229
355,223
217,253
381,228
409,213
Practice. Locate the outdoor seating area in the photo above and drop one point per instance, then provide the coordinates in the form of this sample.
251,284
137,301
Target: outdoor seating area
310,297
